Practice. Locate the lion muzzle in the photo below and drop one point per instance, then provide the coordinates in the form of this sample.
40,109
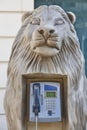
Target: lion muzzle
45,42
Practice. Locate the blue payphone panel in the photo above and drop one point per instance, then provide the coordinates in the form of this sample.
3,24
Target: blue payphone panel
47,96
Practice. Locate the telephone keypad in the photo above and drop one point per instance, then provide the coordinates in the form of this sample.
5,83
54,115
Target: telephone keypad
50,104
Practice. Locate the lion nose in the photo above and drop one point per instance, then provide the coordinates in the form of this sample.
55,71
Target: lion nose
46,32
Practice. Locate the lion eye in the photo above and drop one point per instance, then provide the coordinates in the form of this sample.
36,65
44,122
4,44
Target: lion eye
35,21
59,22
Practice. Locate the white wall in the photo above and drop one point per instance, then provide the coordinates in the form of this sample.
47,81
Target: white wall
10,22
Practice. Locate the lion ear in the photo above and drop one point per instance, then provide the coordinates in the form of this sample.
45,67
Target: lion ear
25,15
72,17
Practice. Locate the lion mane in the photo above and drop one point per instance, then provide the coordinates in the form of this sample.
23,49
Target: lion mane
69,60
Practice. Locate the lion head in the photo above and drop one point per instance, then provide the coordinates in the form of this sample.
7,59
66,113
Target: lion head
47,28
47,42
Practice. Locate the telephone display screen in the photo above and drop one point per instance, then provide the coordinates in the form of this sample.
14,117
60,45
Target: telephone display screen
50,94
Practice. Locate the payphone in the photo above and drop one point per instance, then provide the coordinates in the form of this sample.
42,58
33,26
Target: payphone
45,102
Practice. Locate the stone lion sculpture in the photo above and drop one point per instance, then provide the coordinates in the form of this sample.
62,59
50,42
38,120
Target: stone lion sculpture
47,43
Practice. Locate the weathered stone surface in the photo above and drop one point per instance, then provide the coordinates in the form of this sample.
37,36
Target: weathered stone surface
47,42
